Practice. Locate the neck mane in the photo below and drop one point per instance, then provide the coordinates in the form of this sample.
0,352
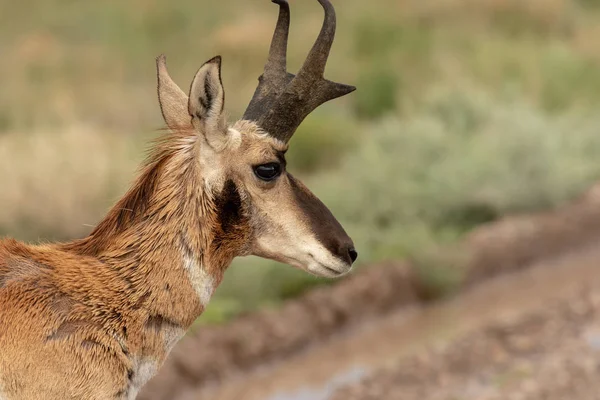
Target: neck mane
169,234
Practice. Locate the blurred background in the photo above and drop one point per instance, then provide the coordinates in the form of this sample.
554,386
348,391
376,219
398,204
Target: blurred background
466,111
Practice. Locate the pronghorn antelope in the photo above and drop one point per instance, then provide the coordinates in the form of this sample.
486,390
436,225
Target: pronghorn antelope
95,318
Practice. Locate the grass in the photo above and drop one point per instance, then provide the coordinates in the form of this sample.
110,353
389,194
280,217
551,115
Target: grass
56,185
465,111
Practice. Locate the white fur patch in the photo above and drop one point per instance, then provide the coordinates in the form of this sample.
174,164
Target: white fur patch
210,159
235,138
201,281
143,371
210,165
171,336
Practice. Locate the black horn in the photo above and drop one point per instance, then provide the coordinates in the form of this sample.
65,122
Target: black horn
282,100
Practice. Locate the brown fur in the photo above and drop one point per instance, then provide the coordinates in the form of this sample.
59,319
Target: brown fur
95,318
68,309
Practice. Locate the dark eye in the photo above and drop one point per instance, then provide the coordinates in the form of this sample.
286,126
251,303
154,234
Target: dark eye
268,172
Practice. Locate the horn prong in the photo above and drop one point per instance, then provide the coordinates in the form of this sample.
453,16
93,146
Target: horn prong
281,100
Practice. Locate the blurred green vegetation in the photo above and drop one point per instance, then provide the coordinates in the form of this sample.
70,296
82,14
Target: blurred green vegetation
465,111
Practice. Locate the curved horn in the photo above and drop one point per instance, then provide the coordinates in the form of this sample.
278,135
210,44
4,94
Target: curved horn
314,66
277,62
275,76
282,100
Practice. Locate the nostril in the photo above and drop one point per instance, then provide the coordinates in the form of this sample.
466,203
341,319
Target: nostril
353,254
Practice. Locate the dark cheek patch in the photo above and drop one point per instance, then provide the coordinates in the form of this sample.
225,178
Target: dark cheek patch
229,206
233,227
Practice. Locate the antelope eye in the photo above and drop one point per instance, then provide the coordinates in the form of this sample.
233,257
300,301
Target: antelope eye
267,172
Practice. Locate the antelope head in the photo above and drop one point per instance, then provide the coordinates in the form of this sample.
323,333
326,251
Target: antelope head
264,210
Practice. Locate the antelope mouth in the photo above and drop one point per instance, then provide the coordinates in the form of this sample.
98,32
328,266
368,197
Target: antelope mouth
333,271
327,272
320,269
324,265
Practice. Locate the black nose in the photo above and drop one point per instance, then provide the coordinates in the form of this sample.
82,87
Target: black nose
353,254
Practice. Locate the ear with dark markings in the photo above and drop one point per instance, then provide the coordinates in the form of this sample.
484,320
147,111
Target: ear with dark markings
173,101
207,100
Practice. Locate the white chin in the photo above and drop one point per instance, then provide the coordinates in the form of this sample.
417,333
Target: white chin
326,266
321,270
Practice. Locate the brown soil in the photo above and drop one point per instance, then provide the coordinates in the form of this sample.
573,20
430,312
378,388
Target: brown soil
219,353
519,241
550,353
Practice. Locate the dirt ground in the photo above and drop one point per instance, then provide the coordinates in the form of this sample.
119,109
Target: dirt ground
525,326
551,352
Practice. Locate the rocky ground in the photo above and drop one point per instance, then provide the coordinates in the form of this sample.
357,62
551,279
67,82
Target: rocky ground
551,353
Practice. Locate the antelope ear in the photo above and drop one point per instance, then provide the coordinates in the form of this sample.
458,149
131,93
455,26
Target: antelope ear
207,100
173,101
